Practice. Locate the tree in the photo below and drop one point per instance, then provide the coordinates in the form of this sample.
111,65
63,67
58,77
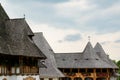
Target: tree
118,64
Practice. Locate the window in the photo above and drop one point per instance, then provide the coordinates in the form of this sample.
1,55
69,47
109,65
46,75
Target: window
63,59
82,70
62,70
90,70
104,70
41,78
98,70
111,70
96,59
67,70
86,59
50,79
75,70
101,79
77,78
75,59
88,78
65,78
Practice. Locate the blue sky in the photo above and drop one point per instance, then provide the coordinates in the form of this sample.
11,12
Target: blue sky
73,21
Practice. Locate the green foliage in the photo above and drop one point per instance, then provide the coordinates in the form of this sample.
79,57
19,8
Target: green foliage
118,64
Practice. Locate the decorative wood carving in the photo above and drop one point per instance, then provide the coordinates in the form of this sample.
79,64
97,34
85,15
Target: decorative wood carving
29,78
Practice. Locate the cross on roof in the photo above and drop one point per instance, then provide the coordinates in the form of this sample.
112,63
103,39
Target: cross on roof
89,38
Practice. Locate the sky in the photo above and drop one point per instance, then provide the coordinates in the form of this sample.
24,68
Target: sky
66,24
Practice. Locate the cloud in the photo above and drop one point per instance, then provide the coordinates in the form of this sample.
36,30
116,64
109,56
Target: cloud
53,1
74,7
40,1
105,42
104,3
117,41
94,18
72,37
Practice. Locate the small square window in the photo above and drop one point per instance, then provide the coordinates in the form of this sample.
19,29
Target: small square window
75,70
98,70
82,70
90,70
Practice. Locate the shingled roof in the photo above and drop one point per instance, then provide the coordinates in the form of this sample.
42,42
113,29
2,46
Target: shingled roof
51,67
101,53
16,37
87,59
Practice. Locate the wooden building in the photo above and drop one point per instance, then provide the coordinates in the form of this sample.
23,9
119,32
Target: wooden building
19,56
91,64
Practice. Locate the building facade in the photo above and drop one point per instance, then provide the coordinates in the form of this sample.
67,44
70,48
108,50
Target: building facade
91,64
19,56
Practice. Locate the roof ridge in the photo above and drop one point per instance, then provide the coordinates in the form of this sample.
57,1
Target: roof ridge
18,19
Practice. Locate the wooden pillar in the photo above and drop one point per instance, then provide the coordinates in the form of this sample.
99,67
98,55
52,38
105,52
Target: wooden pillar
21,64
108,78
94,74
72,78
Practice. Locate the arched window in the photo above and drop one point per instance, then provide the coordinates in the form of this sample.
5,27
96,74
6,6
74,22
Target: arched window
101,79
88,78
65,78
78,78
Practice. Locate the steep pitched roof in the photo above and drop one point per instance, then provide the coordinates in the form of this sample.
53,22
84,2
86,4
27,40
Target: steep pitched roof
16,39
87,59
51,70
101,53
89,52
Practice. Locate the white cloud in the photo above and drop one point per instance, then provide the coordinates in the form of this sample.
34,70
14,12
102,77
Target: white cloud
105,13
84,11
73,7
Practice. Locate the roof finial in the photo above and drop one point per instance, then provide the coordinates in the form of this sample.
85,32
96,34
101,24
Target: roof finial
24,16
89,38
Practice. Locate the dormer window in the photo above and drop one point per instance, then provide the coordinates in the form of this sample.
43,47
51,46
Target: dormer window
63,59
86,59
96,59
75,59
30,37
